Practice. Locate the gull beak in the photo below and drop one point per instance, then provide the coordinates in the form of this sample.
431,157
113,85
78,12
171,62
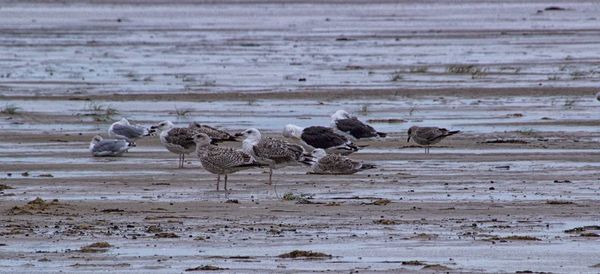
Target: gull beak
239,134
189,139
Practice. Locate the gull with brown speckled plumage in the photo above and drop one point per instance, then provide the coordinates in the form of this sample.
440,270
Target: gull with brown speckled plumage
176,139
427,136
221,160
336,164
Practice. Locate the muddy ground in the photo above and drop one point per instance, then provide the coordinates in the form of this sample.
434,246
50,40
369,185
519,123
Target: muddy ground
517,190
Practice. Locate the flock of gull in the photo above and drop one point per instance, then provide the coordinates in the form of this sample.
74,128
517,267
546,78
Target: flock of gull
324,149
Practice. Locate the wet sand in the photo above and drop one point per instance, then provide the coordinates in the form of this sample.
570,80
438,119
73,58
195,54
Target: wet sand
452,208
134,46
474,204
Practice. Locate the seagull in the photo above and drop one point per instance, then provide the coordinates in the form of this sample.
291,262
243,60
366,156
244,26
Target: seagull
100,147
216,135
320,137
273,152
334,164
350,126
221,160
123,130
427,136
176,139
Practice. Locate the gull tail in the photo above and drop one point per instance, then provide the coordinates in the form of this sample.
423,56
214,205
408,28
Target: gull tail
352,146
149,132
227,138
382,134
346,149
367,166
232,138
452,132
307,159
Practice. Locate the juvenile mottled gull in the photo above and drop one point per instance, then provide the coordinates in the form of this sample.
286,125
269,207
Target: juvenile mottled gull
100,147
349,125
123,130
321,137
216,135
274,152
221,160
336,164
176,139
427,136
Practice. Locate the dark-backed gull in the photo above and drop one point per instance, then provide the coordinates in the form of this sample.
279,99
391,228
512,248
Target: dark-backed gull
321,137
349,125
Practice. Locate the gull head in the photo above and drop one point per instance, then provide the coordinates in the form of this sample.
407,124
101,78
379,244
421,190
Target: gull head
292,131
410,131
124,121
340,115
200,139
251,133
162,126
96,139
318,154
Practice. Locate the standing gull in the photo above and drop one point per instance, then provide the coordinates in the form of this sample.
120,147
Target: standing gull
216,135
273,152
100,147
176,139
221,160
427,136
321,137
333,164
342,121
122,129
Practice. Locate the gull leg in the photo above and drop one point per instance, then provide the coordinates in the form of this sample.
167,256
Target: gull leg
218,181
226,192
179,161
271,182
182,159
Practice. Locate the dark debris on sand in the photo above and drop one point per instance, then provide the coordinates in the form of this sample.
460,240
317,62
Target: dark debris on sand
205,268
5,187
95,247
302,254
35,206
